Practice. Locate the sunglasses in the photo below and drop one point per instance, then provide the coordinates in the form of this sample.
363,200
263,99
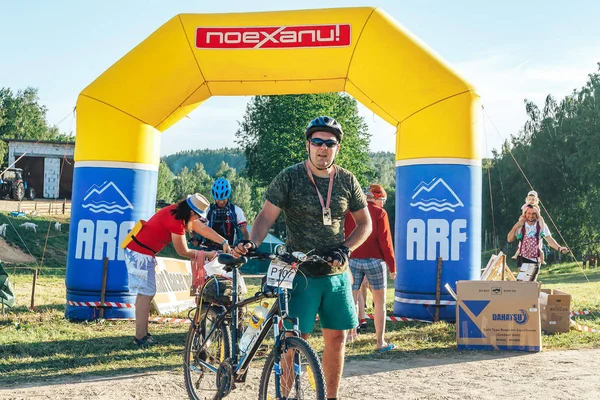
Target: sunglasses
319,142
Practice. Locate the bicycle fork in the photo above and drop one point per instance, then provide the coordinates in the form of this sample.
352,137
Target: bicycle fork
281,348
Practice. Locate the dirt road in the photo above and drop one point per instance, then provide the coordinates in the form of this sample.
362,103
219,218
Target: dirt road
467,375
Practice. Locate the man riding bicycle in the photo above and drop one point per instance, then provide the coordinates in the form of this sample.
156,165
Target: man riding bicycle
223,217
315,196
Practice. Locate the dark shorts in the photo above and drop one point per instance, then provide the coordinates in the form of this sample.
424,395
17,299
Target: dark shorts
522,260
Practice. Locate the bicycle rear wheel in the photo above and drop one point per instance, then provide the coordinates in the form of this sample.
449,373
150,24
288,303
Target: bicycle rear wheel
201,381
300,372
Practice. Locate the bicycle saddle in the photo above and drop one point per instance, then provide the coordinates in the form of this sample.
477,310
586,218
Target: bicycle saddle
229,260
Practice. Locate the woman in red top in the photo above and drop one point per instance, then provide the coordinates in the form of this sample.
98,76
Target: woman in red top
168,225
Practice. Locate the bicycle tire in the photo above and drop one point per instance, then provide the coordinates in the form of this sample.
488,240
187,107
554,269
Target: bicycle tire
193,372
300,345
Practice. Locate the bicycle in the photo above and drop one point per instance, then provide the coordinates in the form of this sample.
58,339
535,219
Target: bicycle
212,359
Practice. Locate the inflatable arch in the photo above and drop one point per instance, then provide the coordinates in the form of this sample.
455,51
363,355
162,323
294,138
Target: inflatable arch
361,51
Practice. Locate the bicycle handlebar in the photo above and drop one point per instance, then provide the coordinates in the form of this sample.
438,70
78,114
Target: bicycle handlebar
295,257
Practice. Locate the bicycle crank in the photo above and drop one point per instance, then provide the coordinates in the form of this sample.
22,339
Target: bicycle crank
225,378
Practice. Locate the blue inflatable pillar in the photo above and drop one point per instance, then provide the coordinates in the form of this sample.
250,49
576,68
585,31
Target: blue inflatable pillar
438,214
108,199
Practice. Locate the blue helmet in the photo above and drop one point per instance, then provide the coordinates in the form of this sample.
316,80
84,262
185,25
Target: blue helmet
221,189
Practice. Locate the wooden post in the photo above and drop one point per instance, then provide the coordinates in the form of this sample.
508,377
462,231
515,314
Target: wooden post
35,274
503,264
49,208
64,205
438,290
103,289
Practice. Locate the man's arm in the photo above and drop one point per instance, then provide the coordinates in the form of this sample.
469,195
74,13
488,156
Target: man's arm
554,244
245,233
263,222
242,223
512,234
362,231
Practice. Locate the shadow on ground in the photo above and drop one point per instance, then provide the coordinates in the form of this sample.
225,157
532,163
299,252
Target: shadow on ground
42,358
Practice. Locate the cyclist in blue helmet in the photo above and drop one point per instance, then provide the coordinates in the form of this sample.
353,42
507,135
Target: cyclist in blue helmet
225,217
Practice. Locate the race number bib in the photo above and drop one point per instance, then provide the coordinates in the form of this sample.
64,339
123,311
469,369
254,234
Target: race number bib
280,274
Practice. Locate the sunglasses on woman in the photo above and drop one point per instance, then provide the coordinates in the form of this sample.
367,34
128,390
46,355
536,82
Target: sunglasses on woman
319,142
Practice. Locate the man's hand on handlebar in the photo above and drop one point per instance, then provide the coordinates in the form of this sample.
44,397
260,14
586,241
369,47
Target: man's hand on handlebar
243,247
337,257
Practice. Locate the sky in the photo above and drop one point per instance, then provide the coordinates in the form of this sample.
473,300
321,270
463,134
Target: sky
510,51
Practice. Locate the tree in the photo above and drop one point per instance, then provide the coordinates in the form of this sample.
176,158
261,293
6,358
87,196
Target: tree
165,186
557,150
210,158
194,181
225,171
22,117
272,133
242,197
383,167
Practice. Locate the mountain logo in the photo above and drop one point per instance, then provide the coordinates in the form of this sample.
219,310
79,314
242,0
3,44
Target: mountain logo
435,195
106,198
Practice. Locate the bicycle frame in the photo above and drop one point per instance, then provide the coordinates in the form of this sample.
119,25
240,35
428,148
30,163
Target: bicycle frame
277,314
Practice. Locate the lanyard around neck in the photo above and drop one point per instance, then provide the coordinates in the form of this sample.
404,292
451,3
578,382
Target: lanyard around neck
331,177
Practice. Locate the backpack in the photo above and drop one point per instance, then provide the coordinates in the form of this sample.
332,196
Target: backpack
216,219
218,289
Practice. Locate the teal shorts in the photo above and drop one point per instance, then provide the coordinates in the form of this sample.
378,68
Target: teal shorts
329,296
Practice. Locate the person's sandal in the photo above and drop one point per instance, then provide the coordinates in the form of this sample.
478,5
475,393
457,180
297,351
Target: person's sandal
389,347
146,341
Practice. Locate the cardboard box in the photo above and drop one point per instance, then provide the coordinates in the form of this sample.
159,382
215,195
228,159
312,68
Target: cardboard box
527,272
555,307
498,315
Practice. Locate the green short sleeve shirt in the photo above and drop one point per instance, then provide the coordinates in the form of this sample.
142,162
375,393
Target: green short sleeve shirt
294,193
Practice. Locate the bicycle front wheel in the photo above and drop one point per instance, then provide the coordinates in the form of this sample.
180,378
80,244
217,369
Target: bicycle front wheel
300,373
200,379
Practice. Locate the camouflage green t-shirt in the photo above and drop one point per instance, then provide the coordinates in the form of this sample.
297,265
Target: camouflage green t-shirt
293,192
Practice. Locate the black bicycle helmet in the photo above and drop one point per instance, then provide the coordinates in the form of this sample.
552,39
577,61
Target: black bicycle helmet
326,124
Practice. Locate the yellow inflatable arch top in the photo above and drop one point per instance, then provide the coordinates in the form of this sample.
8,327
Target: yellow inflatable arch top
361,51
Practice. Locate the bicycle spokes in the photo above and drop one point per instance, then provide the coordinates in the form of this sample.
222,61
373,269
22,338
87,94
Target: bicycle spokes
207,348
296,378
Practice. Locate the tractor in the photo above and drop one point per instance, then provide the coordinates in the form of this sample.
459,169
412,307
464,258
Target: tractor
13,185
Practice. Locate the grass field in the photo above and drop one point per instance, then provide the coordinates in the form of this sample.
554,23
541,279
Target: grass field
34,243
43,344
